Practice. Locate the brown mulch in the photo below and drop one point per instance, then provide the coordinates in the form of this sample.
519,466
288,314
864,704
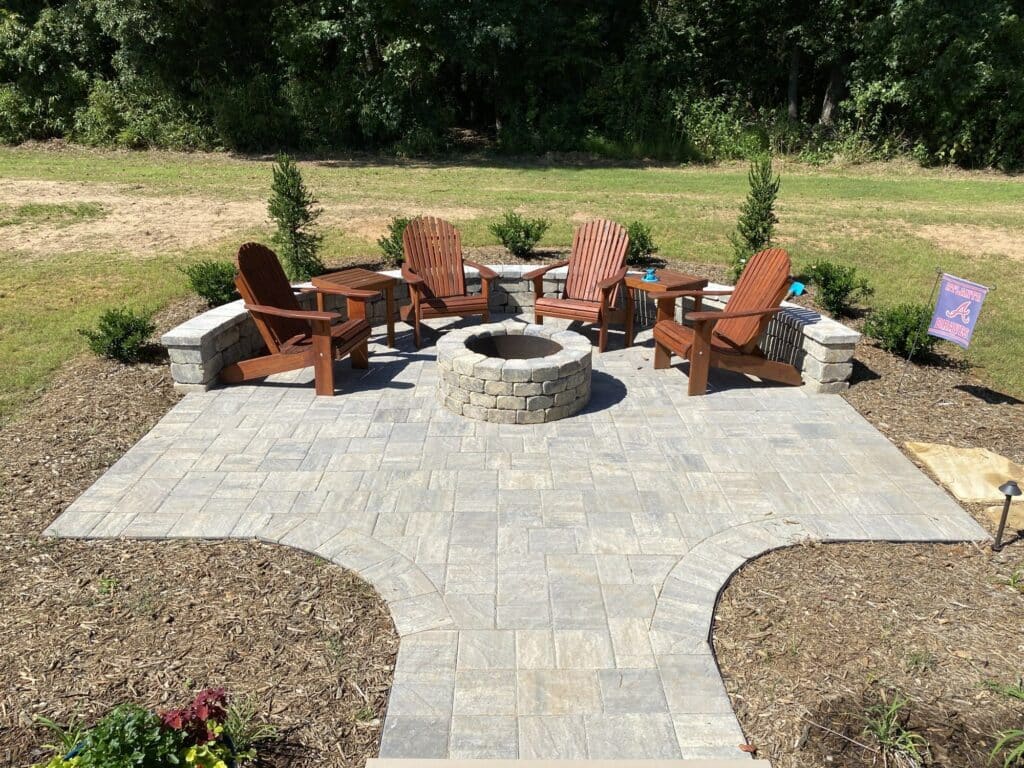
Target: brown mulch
87,625
810,637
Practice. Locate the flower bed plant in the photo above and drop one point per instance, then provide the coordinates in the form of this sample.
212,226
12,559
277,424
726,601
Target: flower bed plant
210,732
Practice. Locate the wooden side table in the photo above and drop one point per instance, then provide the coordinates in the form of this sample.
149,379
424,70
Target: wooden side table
361,279
668,280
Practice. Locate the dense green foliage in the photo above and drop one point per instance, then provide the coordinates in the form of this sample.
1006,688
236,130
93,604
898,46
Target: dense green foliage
295,211
391,243
641,244
838,286
757,215
518,234
679,78
212,280
902,329
121,334
130,737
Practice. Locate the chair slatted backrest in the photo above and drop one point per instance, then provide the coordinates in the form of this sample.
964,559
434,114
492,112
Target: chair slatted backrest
598,251
261,280
762,285
433,249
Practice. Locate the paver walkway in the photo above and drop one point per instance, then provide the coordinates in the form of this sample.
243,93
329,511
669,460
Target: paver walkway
553,584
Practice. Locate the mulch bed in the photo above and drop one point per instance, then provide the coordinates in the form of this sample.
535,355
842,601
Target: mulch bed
809,637
87,625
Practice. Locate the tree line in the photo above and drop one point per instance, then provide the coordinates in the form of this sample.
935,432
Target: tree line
686,79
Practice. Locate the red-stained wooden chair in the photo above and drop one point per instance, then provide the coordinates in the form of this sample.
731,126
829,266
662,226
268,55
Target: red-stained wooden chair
296,337
597,272
434,270
728,339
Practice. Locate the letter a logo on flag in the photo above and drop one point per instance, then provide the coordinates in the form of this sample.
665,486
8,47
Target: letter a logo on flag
956,311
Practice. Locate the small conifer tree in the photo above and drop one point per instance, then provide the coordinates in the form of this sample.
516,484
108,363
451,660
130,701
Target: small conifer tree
757,216
294,209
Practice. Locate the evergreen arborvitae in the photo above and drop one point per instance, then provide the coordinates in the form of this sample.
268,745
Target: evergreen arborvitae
757,216
294,209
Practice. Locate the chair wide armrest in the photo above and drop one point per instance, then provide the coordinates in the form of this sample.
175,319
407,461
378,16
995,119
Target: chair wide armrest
486,273
294,314
410,277
608,283
544,270
714,317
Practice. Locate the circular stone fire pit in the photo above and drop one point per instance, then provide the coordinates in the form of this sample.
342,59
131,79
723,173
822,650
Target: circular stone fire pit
513,373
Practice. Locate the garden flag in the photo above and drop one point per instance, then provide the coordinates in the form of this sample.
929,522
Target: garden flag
957,310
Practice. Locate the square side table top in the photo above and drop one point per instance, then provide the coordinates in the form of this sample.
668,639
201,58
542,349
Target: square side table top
668,280
356,277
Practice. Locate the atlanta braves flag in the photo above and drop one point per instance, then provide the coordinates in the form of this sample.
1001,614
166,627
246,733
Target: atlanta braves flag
957,310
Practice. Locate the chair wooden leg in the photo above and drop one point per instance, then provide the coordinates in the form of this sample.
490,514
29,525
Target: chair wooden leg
486,315
602,336
361,355
662,356
323,358
416,340
538,318
700,359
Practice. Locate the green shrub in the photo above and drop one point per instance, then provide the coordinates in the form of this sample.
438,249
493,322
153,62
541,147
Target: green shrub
294,209
902,328
121,334
757,215
641,245
519,235
130,736
838,286
213,281
391,243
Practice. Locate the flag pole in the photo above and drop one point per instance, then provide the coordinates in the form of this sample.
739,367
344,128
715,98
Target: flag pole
917,336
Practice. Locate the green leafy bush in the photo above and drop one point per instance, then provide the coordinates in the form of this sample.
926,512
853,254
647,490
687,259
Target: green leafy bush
121,334
902,328
294,209
130,736
391,243
838,286
519,235
213,281
641,244
757,215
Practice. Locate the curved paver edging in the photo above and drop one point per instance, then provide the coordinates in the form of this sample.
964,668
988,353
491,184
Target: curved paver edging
820,347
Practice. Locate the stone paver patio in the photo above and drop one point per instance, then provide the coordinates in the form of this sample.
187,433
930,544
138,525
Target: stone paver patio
553,584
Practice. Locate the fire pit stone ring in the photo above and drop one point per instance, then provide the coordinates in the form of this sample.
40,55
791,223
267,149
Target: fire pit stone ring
513,373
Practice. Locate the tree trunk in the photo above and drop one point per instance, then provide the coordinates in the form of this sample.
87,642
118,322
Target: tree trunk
833,93
793,95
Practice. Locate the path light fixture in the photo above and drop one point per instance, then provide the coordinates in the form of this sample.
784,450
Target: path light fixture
1009,489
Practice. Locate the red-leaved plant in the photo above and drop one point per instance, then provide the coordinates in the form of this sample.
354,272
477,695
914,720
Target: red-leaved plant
197,720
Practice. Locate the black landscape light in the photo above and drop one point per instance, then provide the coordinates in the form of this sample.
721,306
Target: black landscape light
1008,489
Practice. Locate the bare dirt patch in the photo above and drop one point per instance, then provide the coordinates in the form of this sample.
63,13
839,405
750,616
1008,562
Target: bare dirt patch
133,222
811,636
87,625
972,238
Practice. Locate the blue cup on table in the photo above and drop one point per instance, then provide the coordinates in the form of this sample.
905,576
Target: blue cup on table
650,276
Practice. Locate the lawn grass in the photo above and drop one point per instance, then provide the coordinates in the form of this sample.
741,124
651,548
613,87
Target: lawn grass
875,217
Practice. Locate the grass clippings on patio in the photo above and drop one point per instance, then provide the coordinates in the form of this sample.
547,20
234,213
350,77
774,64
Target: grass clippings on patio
809,637
87,625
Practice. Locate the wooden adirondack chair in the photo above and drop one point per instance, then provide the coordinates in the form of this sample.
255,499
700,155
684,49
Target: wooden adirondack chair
728,339
434,270
295,337
597,269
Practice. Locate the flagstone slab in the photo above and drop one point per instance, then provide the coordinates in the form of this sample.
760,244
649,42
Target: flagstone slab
970,474
553,585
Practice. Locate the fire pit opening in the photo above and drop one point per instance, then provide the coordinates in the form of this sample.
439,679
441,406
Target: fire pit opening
513,347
